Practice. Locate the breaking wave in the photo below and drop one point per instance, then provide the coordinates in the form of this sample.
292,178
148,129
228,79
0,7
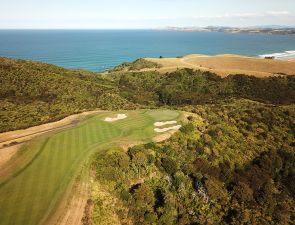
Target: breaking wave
282,55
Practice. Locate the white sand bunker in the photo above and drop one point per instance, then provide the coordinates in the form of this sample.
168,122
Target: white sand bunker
118,117
159,130
160,124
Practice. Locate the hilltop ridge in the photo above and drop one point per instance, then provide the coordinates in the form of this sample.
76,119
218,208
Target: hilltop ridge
227,64
34,93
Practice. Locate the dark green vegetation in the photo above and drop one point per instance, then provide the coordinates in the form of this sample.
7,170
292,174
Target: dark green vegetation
33,93
138,64
233,163
237,167
187,86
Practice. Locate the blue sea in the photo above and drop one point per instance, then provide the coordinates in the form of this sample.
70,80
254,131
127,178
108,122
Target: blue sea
98,50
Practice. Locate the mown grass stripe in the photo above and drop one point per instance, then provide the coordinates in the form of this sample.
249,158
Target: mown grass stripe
44,175
80,139
26,166
88,137
72,150
93,131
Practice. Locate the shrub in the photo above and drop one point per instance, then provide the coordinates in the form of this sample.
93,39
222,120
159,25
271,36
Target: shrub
169,165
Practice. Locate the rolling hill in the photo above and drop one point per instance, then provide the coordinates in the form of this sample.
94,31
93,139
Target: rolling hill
225,65
231,162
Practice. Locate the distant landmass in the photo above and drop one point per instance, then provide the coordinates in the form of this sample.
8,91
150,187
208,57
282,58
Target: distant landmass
263,29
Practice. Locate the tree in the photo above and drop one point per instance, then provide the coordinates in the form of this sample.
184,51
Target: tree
242,192
139,160
144,201
169,165
216,191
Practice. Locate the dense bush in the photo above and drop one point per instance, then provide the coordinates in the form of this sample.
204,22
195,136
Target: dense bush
187,86
33,93
235,168
169,165
138,64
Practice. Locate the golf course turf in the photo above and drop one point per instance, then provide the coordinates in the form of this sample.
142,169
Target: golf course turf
31,192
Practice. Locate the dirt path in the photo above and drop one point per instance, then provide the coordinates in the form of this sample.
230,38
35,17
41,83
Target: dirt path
73,213
6,154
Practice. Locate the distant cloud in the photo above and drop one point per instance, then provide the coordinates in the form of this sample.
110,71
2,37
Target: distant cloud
245,15
279,13
209,17
222,16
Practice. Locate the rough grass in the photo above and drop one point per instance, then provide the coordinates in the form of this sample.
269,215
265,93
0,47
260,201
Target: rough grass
225,65
30,194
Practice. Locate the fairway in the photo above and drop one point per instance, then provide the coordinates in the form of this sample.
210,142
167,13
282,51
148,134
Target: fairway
29,195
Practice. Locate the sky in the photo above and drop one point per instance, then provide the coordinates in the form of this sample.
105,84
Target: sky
142,14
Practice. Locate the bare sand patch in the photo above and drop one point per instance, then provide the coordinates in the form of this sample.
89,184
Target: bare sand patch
162,130
126,145
118,117
6,154
74,210
227,64
160,124
72,207
164,136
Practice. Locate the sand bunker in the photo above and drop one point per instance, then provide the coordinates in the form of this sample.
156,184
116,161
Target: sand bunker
159,130
118,117
160,124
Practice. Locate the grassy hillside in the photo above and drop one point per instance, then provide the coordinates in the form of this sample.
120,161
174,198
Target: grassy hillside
32,189
224,65
33,93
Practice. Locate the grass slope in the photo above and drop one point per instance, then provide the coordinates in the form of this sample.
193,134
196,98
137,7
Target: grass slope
225,65
33,93
32,192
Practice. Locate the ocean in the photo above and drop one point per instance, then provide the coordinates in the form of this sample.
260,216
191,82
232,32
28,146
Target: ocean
99,50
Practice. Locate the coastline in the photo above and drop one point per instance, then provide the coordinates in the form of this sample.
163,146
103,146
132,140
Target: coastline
96,52
286,55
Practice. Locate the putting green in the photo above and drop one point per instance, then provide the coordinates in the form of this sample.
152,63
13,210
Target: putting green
30,195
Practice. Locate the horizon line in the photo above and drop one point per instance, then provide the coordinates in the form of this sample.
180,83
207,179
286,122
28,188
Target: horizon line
144,28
